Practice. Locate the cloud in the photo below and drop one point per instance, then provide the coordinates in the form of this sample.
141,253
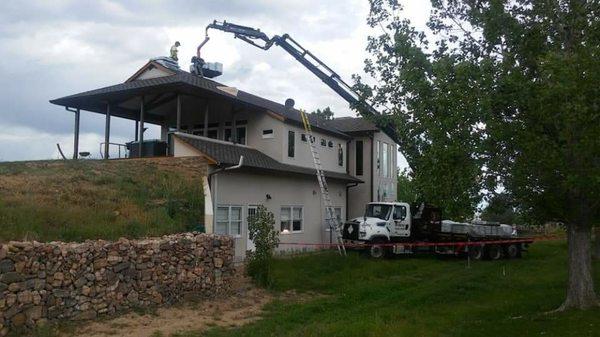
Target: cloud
52,49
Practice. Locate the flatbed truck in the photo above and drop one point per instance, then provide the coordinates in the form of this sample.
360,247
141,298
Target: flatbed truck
395,228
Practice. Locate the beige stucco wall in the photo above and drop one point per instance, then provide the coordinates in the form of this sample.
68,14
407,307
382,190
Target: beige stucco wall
241,188
360,195
183,149
302,155
258,122
152,73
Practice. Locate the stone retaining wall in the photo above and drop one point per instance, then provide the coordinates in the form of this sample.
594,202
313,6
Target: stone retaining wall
75,281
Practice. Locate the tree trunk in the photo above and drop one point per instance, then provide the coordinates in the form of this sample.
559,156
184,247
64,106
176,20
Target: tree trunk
580,289
596,249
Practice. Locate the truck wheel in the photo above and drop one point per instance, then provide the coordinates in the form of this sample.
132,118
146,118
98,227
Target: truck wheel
494,252
377,250
475,252
512,251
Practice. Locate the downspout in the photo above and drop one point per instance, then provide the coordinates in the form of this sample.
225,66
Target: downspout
221,169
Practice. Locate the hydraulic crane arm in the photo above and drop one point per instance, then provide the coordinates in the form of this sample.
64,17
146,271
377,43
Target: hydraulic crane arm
259,39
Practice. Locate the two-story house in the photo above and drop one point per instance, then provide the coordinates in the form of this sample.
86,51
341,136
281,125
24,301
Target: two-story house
201,117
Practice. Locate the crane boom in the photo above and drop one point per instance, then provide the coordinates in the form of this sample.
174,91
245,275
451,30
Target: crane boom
261,40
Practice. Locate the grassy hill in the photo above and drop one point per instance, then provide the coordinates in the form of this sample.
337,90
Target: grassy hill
78,200
423,296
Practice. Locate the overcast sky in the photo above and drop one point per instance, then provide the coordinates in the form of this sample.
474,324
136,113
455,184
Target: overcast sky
56,48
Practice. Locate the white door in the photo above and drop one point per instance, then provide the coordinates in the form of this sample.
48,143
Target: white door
401,221
249,243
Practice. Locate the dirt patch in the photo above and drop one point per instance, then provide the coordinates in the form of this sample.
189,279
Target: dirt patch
243,306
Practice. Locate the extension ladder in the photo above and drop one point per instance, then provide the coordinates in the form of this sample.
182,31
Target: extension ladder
331,218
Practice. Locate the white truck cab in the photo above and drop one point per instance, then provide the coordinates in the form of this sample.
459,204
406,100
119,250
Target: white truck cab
382,222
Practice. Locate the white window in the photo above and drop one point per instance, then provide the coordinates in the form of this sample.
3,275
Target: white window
229,220
377,152
291,219
391,160
267,133
385,160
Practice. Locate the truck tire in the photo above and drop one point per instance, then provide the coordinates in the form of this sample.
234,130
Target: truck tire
512,251
475,252
494,252
377,250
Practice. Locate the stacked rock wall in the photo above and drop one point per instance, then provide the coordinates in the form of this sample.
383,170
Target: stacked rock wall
47,281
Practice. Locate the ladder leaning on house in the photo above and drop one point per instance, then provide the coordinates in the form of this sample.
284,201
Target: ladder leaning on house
331,219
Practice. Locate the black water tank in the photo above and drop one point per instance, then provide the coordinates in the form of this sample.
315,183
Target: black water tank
150,148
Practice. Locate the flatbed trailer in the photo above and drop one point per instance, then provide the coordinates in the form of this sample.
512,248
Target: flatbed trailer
396,228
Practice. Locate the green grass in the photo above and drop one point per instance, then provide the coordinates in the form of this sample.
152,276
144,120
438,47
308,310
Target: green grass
423,296
74,201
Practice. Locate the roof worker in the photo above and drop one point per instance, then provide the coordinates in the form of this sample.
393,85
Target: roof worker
174,51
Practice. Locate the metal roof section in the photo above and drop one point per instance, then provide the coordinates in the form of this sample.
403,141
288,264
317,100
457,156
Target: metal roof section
225,153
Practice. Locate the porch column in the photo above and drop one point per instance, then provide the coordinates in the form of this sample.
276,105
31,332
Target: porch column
141,128
233,129
76,136
178,113
205,131
107,132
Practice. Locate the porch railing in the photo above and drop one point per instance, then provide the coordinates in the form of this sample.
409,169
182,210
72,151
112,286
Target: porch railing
121,150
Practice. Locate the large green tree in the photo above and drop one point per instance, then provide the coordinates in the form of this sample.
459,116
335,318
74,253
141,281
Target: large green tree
433,103
506,95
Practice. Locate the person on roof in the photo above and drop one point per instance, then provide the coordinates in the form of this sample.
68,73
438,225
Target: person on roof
174,51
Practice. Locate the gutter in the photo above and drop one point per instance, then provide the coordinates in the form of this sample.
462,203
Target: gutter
214,189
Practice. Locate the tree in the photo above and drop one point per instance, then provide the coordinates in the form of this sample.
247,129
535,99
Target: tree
501,208
519,80
261,230
406,190
324,115
432,101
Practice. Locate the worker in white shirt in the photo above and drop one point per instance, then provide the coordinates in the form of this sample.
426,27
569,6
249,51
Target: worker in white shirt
174,51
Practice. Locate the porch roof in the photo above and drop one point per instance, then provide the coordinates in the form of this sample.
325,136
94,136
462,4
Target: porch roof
162,91
225,153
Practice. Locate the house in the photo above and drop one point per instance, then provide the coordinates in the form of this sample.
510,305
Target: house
201,117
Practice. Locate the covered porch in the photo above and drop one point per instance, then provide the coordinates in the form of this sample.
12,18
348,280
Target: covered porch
177,103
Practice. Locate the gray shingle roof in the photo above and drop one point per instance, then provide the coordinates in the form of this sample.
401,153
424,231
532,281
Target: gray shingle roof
352,124
229,154
191,82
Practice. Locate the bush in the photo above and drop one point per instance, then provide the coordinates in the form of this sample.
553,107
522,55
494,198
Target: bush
261,230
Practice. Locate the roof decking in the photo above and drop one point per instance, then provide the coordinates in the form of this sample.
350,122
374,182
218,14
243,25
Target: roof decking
229,154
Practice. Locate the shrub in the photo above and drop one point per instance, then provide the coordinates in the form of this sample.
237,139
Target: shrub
261,230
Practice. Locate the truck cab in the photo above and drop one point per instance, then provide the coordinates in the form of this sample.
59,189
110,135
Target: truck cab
382,222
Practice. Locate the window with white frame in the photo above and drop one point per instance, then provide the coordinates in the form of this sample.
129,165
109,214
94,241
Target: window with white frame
385,160
267,134
229,220
291,219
